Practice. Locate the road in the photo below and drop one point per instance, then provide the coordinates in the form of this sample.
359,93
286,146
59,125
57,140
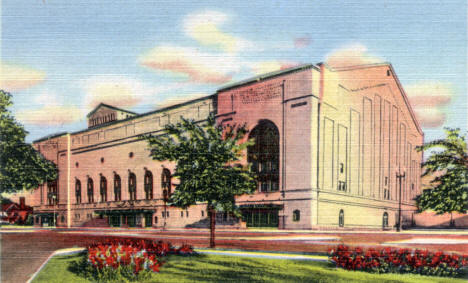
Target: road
24,250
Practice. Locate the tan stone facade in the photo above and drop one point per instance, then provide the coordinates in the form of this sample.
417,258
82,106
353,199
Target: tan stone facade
329,146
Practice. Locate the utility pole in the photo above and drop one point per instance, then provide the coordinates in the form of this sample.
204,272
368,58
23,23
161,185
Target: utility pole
400,177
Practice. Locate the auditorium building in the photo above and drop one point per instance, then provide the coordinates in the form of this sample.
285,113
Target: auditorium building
329,144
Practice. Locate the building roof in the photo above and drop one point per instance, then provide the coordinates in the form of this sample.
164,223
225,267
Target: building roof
397,81
266,76
51,136
111,107
145,114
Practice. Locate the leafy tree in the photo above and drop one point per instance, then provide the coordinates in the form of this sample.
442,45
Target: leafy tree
207,165
21,166
449,164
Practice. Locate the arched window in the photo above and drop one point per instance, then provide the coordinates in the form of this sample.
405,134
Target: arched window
341,218
385,220
148,185
296,215
166,183
103,189
90,190
78,191
132,186
264,155
117,188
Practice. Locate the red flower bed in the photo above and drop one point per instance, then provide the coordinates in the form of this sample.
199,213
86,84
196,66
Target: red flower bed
398,260
136,255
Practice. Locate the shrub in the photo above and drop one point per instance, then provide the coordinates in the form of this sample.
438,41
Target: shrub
127,260
398,261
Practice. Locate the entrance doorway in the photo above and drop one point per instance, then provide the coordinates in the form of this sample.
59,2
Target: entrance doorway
148,220
261,217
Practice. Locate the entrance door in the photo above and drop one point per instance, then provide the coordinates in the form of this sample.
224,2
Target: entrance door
148,220
115,220
261,218
131,218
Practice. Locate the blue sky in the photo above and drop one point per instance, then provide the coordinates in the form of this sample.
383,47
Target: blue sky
59,58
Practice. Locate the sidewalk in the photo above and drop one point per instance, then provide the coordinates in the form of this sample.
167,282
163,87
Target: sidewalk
264,254
269,231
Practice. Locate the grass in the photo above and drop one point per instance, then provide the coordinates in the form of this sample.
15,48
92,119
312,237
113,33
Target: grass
220,268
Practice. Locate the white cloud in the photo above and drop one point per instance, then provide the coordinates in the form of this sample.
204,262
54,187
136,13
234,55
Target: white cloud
50,115
120,91
428,99
15,78
200,67
263,67
205,27
351,55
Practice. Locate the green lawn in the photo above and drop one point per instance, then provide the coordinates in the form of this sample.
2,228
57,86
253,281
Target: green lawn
219,268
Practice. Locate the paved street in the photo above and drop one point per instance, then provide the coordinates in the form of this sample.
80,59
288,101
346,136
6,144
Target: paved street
24,250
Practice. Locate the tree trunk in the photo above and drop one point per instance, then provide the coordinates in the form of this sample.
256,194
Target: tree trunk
212,213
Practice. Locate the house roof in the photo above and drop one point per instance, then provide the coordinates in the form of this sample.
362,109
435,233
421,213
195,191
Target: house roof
111,107
8,206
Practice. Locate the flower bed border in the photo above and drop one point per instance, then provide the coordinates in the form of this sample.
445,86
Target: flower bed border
398,260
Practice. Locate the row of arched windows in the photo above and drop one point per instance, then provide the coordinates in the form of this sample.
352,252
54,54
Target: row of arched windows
132,192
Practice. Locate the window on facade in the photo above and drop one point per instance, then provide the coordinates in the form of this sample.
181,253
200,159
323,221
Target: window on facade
166,183
156,220
386,193
181,214
132,186
385,220
342,186
103,189
78,191
52,193
296,215
341,218
148,185
117,188
202,213
90,190
264,155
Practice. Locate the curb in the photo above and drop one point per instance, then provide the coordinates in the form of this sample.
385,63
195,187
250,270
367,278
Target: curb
68,251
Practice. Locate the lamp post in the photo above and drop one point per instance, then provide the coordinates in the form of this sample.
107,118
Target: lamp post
165,196
400,176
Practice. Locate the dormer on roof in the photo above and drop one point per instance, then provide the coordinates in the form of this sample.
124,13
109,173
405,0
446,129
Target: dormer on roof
104,113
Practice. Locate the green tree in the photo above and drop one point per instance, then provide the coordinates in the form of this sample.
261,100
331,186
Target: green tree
449,164
21,166
208,166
